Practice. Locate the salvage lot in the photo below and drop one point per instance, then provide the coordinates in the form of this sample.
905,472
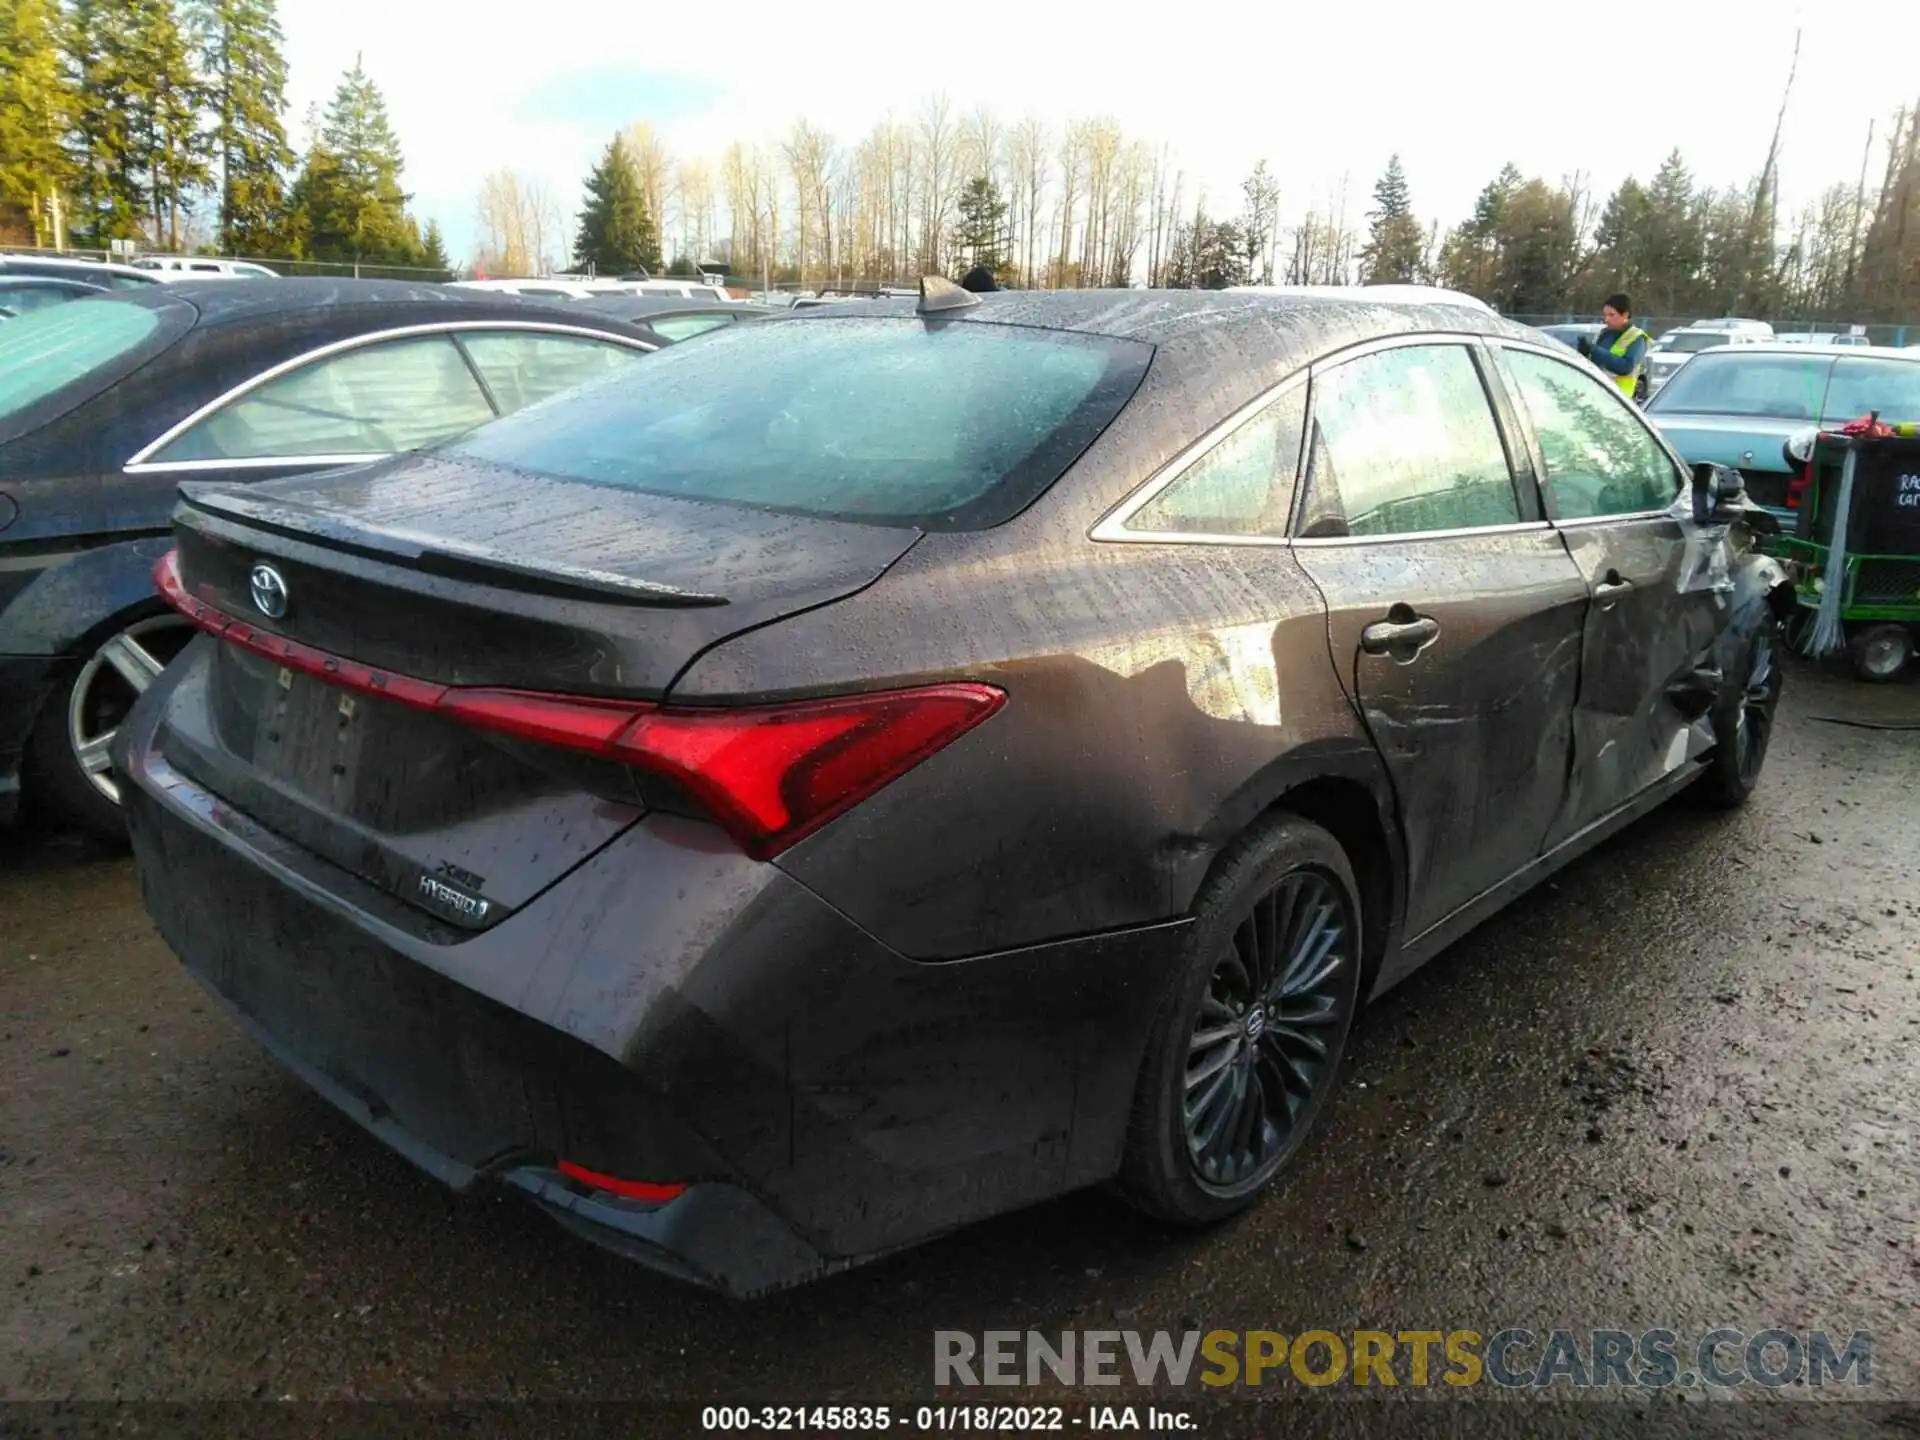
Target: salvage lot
1677,1088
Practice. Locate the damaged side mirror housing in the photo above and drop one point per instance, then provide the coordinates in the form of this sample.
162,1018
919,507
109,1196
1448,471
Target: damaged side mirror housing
1720,498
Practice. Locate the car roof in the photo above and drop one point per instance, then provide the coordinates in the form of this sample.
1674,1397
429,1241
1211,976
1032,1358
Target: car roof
59,282
1214,350
620,302
246,301
1316,318
1395,294
1794,348
69,264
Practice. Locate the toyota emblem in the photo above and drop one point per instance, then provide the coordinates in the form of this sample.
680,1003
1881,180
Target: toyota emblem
269,591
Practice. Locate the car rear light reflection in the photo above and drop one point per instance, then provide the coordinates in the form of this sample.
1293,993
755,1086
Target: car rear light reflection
627,1189
768,774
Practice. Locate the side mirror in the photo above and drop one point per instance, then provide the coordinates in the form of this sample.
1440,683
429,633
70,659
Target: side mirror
1719,495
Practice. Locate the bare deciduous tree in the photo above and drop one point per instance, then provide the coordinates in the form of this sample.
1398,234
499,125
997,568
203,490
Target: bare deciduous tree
652,166
1027,159
519,225
938,160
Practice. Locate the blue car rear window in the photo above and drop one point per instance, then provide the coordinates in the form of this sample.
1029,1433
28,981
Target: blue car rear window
1777,387
942,425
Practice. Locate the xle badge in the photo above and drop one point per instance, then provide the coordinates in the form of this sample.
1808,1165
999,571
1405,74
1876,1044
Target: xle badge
454,902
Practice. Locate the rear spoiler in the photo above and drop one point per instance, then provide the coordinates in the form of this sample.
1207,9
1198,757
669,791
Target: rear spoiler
204,501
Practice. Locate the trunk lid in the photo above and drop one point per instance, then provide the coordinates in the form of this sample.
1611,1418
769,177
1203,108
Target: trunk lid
1750,444
465,575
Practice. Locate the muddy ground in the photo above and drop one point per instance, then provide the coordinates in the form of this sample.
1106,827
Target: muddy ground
1679,1087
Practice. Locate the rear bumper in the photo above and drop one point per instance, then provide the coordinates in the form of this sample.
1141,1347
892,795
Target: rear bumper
668,1011
25,683
713,1235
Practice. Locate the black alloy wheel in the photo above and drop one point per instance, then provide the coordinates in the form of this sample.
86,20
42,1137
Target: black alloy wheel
1247,1046
1258,1056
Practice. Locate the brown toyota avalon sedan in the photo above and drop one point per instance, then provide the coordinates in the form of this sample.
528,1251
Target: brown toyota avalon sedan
865,772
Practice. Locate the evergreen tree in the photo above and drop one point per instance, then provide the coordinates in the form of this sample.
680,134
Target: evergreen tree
1674,242
1469,260
170,139
980,232
37,105
239,44
1621,240
142,152
1395,242
111,190
616,233
348,204
434,249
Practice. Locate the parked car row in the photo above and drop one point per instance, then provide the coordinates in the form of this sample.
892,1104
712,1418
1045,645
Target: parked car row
108,403
798,792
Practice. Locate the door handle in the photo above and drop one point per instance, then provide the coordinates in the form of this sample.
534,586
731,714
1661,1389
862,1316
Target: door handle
1608,591
1386,636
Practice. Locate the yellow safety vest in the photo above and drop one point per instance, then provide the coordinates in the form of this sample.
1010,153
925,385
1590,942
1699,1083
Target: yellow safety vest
1620,346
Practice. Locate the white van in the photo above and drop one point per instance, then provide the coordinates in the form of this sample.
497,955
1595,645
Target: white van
203,267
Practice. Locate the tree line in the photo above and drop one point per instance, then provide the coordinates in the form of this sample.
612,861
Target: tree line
164,122
1086,204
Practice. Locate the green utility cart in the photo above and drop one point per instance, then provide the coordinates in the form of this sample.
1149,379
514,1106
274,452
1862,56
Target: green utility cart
1865,489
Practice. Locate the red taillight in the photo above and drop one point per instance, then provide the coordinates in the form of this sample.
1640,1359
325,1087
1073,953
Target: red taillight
1798,486
772,774
769,774
613,1185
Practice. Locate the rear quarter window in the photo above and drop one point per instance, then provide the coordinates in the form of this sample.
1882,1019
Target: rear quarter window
945,425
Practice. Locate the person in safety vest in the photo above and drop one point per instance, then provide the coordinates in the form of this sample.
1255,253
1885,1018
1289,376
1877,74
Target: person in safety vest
1621,348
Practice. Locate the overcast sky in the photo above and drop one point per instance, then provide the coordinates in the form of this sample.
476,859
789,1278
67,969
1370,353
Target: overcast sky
1320,91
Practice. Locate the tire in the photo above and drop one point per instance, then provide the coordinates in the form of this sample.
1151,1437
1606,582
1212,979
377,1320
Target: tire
1189,1165
1881,653
70,778
1743,725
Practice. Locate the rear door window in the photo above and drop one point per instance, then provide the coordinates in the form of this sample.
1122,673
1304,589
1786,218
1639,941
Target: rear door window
1598,458
524,367
1404,443
945,425
373,400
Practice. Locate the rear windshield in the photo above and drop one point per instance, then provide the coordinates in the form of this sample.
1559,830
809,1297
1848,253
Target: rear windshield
47,350
1860,385
1778,387
943,426
1690,341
